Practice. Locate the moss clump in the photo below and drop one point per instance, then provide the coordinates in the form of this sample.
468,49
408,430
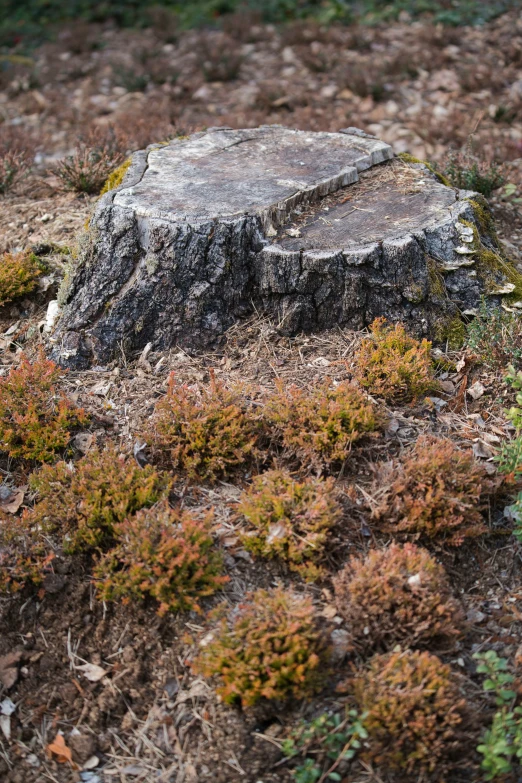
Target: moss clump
399,595
115,179
413,708
491,265
82,504
35,417
19,273
268,647
393,365
452,332
407,158
165,554
290,519
437,286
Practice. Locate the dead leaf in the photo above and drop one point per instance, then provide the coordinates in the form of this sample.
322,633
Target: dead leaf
329,612
482,450
476,391
59,749
9,668
92,672
13,501
83,441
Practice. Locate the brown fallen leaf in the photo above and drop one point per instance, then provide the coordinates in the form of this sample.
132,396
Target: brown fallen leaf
92,671
13,501
59,749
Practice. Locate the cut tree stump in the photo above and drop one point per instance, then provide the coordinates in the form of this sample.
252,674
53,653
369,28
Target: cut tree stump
316,229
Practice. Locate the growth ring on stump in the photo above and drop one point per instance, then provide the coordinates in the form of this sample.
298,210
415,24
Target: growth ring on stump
318,229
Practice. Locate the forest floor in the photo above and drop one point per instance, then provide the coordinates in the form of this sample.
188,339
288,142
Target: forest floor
424,90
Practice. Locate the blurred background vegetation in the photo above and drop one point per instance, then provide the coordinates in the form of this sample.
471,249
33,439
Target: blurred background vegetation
26,22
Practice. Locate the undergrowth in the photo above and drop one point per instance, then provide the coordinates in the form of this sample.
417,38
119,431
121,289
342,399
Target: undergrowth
392,365
87,170
398,595
207,434
437,493
19,273
469,171
319,426
290,519
163,553
495,337
413,711
267,647
35,417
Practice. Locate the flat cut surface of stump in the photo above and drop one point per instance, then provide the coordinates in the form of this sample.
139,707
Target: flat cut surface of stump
317,229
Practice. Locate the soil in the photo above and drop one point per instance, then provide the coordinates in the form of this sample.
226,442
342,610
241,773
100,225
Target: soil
149,717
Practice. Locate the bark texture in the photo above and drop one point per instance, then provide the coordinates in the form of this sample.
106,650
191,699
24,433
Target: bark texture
307,226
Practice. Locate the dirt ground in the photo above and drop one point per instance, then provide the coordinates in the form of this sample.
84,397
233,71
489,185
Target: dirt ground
421,88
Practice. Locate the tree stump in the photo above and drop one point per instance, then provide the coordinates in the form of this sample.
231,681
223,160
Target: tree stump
317,229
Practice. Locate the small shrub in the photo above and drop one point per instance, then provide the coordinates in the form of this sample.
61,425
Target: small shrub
19,273
436,494
266,648
328,743
290,519
16,157
221,60
165,554
206,433
319,426
501,743
88,169
35,418
393,365
397,595
413,709
83,503
495,337
469,171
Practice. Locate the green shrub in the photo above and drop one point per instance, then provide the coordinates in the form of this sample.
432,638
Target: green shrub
268,647
469,171
290,519
398,595
208,433
320,425
501,743
328,744
35,418
165,554
413,709
495,337
393,365
83,503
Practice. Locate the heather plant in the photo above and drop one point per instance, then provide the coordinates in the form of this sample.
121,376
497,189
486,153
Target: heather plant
35,417
207,433
319,426
163,553
19,273
290,519
413,710
16,157
436,493
393,365
83,503
502,742
328,744
94,159
469,171
267,647
398,595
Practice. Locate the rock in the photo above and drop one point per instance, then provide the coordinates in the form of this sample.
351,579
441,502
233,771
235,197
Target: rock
316,229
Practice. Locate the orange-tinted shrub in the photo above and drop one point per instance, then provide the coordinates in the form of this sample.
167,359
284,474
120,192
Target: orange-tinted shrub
437,493
319,426
393,365
19,273
397,595
165,554
206,433
35,417
290,519
266,648
413,709
83,503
